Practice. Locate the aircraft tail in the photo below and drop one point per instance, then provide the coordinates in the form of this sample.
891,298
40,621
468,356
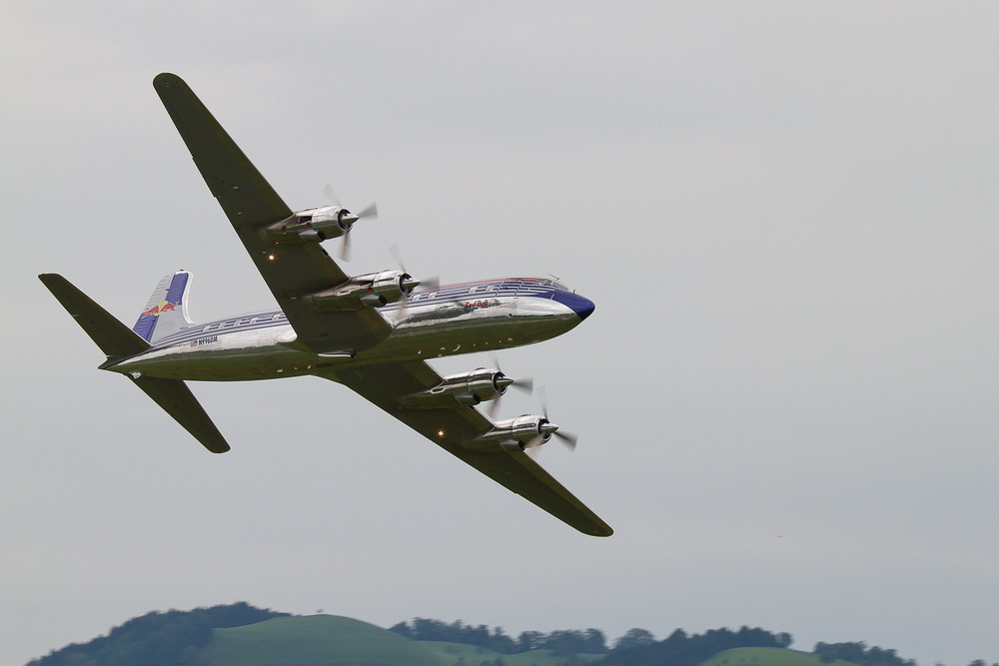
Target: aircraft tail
176,399
166,311
118,342
113,337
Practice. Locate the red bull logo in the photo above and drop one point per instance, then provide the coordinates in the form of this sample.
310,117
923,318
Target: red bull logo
157,310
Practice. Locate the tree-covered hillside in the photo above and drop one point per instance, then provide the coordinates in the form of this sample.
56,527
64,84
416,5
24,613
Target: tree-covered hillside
562,642
242,634
157,639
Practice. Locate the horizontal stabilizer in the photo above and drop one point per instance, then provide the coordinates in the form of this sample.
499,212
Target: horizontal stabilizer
117,341
112,336
178,401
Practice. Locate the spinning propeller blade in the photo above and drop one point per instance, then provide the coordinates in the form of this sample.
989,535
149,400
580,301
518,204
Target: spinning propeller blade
567,438
371,210
430,283
525,385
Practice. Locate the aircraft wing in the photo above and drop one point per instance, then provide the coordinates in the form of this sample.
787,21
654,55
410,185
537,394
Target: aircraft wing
385,384
251,204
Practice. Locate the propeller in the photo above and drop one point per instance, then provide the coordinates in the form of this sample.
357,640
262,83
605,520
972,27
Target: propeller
345,217
525,385
533,447
430,283
567,438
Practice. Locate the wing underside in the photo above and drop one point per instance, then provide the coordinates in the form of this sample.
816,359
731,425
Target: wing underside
451,428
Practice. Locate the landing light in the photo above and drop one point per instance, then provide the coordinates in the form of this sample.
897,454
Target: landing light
440,433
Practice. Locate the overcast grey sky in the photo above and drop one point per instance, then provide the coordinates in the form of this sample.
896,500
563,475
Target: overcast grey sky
786,214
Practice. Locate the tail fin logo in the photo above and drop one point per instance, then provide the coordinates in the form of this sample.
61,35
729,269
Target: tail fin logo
160,308
165,311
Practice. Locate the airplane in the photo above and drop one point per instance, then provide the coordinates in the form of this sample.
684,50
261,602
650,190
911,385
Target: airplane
372,333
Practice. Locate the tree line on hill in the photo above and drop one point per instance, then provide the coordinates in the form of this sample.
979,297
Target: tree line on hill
859,653
157,639
591,641
637,647
174,638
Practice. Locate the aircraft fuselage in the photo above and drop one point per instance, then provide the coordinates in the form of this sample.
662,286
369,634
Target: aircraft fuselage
449,320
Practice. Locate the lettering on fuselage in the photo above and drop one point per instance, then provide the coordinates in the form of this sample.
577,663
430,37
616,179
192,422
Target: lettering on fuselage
471,305
243,321
205,341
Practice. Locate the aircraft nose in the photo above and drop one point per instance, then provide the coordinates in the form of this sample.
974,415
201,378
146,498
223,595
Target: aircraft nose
582,306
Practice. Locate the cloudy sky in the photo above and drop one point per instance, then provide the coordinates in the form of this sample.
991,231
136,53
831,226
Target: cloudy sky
786,214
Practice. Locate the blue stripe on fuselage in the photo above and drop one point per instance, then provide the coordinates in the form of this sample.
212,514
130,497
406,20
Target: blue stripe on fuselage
541,287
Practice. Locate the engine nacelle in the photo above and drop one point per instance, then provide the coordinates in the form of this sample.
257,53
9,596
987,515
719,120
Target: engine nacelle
370,290
469,388
312,226
521,433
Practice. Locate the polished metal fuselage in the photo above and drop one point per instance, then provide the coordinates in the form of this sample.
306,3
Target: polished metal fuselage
457,319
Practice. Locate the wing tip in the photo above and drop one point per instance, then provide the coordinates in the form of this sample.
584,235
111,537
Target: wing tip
209,436
601,530
165,79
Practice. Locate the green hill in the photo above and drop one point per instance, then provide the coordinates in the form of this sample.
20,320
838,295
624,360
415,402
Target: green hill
760,656
329,640
453,654
314,640
241,635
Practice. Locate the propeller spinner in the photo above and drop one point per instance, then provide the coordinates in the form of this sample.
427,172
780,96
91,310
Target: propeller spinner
567,438
346,219
525,385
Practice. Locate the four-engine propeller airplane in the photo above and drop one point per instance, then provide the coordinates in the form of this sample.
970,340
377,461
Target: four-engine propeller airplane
371,332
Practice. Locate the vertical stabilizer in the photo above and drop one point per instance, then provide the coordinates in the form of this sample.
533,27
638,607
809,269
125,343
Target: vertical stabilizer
166,311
